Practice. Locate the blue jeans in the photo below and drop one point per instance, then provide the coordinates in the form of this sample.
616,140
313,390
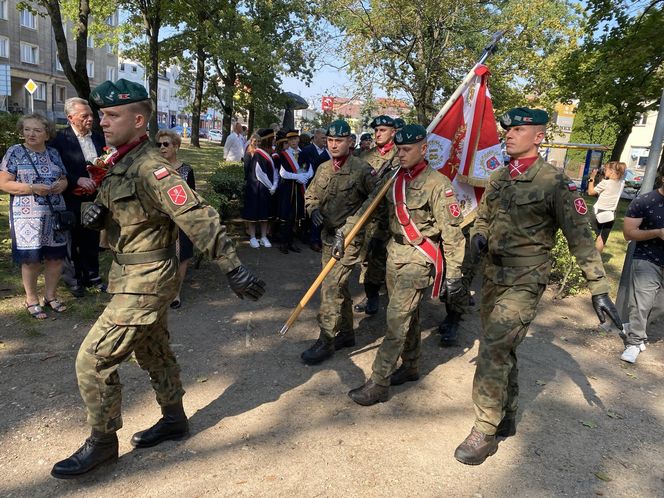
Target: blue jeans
647,282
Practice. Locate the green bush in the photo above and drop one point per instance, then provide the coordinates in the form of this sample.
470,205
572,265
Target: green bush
565,264
227,183
8,135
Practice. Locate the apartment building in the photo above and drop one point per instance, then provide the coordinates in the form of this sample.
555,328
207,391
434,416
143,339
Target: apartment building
28,51
172,110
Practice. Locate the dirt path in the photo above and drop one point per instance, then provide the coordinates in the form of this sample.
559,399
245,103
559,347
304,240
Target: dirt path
266,425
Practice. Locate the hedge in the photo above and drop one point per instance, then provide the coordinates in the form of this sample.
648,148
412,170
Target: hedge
227,183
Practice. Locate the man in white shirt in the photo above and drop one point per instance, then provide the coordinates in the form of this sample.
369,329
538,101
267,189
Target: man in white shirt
234,145
78,145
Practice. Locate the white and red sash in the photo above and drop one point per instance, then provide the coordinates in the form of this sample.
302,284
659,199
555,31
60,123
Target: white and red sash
261,175
292,166
425,245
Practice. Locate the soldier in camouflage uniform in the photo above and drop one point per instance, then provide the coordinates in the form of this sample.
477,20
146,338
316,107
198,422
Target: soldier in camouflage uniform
338,189
382,157
432,216
141,203
520,211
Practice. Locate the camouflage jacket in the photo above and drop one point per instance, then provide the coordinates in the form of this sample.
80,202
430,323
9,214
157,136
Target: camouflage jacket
373,157
519,217
433,208
147,202
339,194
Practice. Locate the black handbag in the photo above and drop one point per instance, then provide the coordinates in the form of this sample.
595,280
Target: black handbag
62,220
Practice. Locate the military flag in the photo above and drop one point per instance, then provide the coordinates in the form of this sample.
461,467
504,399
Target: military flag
463,139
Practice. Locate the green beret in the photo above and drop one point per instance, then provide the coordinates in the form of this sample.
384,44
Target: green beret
382,121
365,136
521,116
338,128
122,92
410,134
399,123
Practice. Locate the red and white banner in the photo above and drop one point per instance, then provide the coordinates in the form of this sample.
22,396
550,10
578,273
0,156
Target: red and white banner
463,144
327,104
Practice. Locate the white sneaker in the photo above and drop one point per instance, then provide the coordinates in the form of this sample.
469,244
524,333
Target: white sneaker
254,243
265,242
630,354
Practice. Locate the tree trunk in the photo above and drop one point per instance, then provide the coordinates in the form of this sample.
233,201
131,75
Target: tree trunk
152,20
621,140
198,95
228,92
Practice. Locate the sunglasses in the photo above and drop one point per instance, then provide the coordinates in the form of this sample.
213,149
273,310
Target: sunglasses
162,144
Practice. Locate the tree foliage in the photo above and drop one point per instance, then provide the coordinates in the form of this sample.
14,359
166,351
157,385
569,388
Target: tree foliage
425,49
619,67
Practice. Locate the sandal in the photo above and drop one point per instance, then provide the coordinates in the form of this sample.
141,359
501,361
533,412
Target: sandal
36,311
55,305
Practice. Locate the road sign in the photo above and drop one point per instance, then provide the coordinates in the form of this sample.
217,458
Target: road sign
31,86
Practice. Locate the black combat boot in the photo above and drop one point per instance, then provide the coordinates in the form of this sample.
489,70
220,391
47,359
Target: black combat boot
371,302
369,394
403,374
172,426
319,352
99,448
449,330
476,448
344,340
507,426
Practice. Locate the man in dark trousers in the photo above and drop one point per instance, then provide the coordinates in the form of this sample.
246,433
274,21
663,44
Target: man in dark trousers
315,154
77,145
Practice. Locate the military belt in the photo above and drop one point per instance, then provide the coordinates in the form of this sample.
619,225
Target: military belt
400,239
519,260
137,258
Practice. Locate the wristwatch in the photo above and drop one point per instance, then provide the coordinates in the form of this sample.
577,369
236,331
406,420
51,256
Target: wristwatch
591,180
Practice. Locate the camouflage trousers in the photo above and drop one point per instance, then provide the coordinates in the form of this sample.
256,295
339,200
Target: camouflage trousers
468,271
506,313
131,323
336,305
372,268
406,283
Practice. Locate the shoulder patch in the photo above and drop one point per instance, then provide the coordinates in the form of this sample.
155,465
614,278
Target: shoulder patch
449,192
177,195
161,173
571,186
455,211
580,206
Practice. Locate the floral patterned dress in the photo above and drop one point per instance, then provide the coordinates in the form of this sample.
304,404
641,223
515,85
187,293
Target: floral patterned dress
30,218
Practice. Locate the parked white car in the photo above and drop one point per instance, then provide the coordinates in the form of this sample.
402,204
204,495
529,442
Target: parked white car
215,135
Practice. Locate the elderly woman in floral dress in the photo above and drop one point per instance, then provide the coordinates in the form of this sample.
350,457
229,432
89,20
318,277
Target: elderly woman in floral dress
33,174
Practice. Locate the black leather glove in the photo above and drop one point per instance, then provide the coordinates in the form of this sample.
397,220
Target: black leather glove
603,304
454,289
92,216
478,246
245,284
338,250
317,218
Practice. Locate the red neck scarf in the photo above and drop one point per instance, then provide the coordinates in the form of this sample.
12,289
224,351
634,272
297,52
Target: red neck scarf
338,162
386,148
520,166
414,172
124,149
